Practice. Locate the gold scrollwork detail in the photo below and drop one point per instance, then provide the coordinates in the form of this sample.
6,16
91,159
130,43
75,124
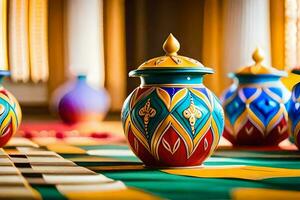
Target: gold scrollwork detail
147,112
192,113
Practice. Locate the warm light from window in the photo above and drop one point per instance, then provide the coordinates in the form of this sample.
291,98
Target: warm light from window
292,49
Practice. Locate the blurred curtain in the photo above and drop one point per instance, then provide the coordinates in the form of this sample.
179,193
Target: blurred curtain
211,57
277,33
291,18
246,26
3,35
288,27
19,40
88,37
38,40
115,55
49,41
231,33
56,32
83,40
28,40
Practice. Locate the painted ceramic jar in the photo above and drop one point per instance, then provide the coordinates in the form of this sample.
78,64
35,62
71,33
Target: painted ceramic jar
82,103
229,92
172,119
256,110
10,112
294,111
231,89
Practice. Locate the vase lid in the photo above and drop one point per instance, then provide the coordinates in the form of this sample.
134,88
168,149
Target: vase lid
171,61
258,68
296,70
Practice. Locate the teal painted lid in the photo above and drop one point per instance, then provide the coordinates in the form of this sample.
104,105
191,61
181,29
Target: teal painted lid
171,62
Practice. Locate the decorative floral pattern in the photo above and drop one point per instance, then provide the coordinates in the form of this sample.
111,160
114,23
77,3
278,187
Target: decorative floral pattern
192,113
147,112
172,126
256,114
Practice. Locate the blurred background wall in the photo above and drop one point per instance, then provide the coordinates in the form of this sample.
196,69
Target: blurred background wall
48,42
148,23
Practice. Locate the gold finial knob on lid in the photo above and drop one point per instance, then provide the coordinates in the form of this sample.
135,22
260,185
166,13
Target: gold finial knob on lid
258,68
258,55
171,45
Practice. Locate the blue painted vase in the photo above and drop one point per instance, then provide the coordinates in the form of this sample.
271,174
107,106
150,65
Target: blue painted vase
294,111
256,110
10,112
82,103
229,92
172,119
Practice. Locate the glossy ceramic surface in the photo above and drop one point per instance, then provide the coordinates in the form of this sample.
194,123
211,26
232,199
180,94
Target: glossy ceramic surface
294,112
256,108
10,113
172,119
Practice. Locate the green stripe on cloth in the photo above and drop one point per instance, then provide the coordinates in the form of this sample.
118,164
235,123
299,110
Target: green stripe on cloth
172,186
267,162
180,187
93,147
49,192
